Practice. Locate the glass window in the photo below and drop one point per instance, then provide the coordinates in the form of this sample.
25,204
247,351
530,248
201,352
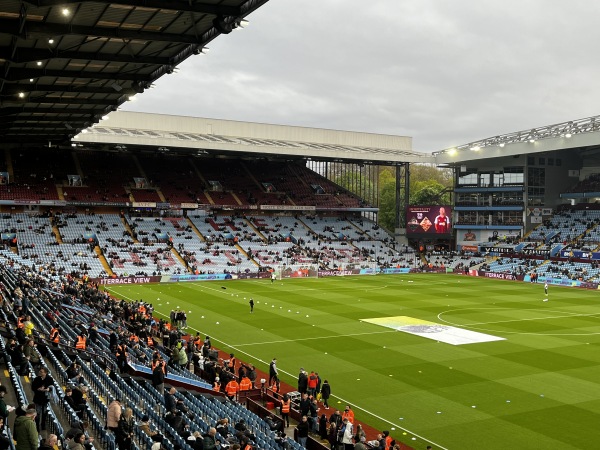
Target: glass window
484,179
469,179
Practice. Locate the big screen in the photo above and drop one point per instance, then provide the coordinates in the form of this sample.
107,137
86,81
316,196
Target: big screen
433,220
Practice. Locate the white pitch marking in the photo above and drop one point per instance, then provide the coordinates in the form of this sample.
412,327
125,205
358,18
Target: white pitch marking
355,406
314,338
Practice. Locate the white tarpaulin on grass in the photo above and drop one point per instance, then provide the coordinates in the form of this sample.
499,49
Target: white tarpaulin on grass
431,330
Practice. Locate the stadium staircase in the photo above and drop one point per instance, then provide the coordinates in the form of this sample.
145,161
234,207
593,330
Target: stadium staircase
243,252
129,230
256,230
103,261
59,191
251,175
195,228
130,197
181,260
197,172
57,234
235,197
161,195
359,229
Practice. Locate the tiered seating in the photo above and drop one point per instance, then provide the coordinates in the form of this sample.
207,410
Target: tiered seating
103,188
145,195
454,261
220,254
141,396
513,265
569,270
590,184
38,244
565,226
35,175
179,184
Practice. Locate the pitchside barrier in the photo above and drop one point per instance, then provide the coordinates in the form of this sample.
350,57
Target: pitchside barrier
312,271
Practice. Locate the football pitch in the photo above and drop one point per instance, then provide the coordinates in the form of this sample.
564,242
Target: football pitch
444,360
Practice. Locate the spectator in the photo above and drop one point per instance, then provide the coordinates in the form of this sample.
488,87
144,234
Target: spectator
145,426
113,415
25,431
302,428
323,427
16,356
4,409
361,444
332,435
272,370
74,373
345,435
5,442
31,354
170,401
77,442
69,400
159,371
210,441
81,427
325,393
302,381
41,388
50,443
125,430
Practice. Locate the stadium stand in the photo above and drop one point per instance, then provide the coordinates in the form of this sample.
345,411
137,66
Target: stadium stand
79,310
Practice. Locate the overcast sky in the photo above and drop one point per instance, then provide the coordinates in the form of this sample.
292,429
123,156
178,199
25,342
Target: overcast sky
443,72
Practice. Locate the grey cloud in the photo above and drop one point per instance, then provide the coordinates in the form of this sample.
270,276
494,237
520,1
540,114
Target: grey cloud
444,72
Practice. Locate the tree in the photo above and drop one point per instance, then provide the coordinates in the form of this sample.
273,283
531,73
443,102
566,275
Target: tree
429,193
387,200
357,184
429,185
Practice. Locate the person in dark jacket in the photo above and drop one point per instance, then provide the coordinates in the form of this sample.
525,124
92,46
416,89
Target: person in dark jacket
325,393
125,430
302,428
323,427
40,387
158,376
170,401
302,381
49,442
3,408
304,405
210,442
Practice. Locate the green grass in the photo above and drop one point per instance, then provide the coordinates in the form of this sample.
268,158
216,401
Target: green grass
536,389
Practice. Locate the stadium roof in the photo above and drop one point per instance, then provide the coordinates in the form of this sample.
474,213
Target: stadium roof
67,63
201,136
575,134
